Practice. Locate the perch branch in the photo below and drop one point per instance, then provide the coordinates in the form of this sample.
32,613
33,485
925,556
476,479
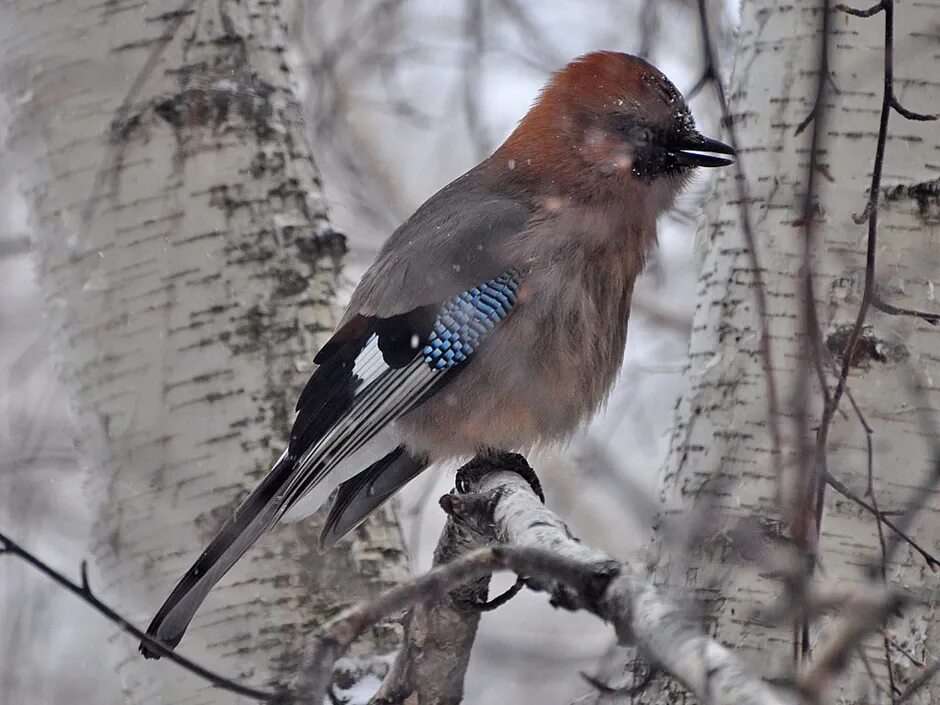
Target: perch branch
535,543
435,652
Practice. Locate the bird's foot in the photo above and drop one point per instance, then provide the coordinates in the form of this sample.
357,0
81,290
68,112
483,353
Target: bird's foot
489,461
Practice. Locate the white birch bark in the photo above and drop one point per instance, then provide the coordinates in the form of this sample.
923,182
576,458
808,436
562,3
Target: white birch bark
187,308
720,459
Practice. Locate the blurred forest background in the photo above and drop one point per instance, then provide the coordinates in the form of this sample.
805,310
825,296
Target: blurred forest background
400,97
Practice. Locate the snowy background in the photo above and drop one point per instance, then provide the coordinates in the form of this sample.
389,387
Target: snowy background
401,97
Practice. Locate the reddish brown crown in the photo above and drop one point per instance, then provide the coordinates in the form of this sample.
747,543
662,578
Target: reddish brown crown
582,95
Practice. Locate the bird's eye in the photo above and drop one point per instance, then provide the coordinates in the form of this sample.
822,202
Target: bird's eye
642,135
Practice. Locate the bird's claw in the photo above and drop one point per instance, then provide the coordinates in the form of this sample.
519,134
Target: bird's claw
471,473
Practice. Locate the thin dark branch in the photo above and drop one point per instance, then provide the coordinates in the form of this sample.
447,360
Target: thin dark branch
708,76
471,76
83,591
807,121
633,689
649,29
930,431
910,114
871,213
923,678
883,565
747,227
500,600
883,306
804,515
873,508
844,490
547,56
873,10
812,464
14,247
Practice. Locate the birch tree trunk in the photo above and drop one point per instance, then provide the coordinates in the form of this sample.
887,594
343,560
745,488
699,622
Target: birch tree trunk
720,462
189,266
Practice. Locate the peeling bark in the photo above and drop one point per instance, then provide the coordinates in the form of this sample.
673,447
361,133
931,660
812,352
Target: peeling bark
189,265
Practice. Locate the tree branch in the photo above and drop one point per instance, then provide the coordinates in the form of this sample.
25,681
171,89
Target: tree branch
432,662
502,507
83,591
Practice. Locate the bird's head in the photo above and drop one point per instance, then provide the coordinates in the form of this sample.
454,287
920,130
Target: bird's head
607,122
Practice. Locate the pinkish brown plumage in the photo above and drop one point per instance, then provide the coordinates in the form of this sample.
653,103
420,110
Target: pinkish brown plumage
494,318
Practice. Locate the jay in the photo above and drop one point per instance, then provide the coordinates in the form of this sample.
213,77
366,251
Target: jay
494,318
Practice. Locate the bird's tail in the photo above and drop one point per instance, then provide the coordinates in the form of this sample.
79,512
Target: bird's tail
355,499
252,518
362,494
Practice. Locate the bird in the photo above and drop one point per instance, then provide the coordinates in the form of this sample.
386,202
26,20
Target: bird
493,319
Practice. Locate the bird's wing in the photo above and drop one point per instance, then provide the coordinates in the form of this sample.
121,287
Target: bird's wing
344,413
376,370
452,243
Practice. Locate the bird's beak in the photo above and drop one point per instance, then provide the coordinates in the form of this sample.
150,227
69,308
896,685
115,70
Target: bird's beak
696,150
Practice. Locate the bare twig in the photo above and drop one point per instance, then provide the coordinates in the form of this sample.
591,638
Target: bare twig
747,227
831,402
923,678
83,591
871,212
470,76
806,517
864,609
844,490
883,306
889,102
649,29
930,431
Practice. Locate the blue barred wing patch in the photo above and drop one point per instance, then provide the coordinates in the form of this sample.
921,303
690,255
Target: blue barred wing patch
466,319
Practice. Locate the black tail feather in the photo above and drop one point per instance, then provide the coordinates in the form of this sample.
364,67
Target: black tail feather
252,518
362,494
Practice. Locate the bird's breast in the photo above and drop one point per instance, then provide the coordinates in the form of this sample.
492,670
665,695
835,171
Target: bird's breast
543,371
